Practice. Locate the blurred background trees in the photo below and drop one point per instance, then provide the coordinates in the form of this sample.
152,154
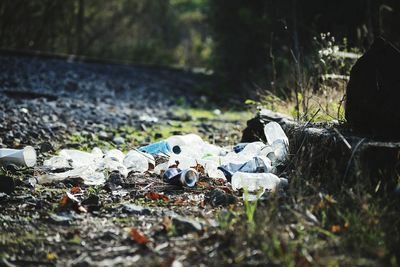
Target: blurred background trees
248,44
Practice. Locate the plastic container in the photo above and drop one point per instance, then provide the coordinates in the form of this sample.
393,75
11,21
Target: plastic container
25,156
136,161
239,147
115,154
257,181
273,131
112,164
188,144
161,147
56,162
80,158
257,164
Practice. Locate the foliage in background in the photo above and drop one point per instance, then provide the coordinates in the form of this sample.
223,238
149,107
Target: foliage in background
170,32
265,44
270,45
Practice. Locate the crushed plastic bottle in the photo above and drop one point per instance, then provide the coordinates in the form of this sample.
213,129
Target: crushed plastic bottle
112,164
257,181
25,156
158,148
136,161
89,174
259,164
57,162
115,154
278,142
239,147
80,158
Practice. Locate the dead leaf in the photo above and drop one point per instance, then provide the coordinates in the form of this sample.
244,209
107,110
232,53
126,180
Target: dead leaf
174,165
156,196
64,201
75,189
181,202
199,168
138,237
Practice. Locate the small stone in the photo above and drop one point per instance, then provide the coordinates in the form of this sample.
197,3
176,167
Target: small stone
103,136
185,225
7,184
62,218
118,140
46,147
135,209
218,197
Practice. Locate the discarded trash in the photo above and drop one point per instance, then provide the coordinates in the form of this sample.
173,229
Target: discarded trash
88,174
239,147
136,161
187,177
247,165
257,181
257,164
278,141
161,147
25,156
273,131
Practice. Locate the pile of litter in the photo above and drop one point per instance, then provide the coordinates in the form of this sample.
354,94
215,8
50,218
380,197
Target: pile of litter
250,166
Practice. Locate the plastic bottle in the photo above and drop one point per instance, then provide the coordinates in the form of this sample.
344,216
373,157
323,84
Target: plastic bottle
253,149
136,161
161,147
112,164
239,147
79,158
257,164
273,131
188,144
115,154
256,181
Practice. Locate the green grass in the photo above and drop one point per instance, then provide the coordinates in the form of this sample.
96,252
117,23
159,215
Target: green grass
229,115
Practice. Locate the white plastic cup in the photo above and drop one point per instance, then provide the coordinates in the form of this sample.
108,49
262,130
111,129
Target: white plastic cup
25,156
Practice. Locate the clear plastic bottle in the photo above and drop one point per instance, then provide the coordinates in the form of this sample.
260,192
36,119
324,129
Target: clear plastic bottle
115,154
136,161
80,158
278,141
188,144
273,131
256,181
